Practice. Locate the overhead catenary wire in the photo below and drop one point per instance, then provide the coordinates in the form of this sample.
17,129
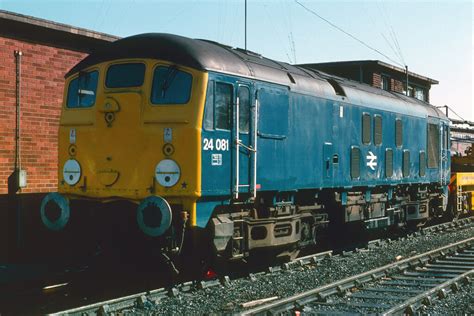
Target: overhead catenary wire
450,109
395,47
376,26
348,34
393,35
391,46
277,29
291,41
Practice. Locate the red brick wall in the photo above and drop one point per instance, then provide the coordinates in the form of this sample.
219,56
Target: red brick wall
42,81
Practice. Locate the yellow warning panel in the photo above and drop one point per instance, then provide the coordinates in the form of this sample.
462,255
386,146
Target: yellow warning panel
465,178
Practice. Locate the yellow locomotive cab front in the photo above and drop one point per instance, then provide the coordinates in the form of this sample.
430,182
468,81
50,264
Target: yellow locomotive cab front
130,130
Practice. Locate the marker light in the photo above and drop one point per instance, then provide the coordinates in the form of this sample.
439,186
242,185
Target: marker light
167,172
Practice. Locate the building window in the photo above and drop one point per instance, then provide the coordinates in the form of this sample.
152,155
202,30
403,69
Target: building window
385,83
420,94
366,129
410,91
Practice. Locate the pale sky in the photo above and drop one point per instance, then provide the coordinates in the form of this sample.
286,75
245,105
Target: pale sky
435,38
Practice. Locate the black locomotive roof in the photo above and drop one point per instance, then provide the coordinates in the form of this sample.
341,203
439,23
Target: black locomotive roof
211,56
195,53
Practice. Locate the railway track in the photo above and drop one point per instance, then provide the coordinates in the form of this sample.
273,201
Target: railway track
400,287
153,299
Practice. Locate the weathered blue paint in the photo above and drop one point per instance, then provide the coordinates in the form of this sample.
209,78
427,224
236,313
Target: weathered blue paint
204,211
305,138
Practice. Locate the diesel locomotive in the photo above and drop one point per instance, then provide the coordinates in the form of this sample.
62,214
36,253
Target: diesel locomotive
214,147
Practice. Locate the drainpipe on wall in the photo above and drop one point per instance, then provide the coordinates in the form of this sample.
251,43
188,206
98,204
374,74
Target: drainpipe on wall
18,170
18,108
406,69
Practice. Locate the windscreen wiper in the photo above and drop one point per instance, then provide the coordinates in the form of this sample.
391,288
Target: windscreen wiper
82,82
169,77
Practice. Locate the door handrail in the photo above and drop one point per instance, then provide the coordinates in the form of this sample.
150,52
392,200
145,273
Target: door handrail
249,148
252,148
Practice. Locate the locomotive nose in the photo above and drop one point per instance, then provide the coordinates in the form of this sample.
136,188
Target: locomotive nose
55,211
154,216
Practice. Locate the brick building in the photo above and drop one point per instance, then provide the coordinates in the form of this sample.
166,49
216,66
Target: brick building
35,55
380,75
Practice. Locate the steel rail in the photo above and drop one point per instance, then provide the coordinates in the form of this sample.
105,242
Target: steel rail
347,283
425,297
102,308
139,299
454,224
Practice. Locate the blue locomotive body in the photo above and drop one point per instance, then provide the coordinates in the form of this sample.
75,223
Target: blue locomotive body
333,135
311,149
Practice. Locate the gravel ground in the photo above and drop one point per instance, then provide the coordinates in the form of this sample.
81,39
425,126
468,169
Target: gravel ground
222,299
461,303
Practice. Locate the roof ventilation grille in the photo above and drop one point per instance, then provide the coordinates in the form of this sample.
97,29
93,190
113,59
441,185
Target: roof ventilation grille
291,78
337,87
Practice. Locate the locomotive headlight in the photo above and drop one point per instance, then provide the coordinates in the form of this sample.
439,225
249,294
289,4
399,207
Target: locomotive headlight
167,172
72,172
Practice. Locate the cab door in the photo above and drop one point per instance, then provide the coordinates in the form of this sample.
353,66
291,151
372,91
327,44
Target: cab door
445,154
243,147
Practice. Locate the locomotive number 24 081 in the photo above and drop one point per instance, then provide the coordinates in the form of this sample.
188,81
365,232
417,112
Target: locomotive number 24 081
220,144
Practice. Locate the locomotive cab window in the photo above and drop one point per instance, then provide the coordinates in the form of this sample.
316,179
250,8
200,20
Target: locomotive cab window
222,106
433,146
125,75
170,86
366,129
82,90
244,109
209,107
446,138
